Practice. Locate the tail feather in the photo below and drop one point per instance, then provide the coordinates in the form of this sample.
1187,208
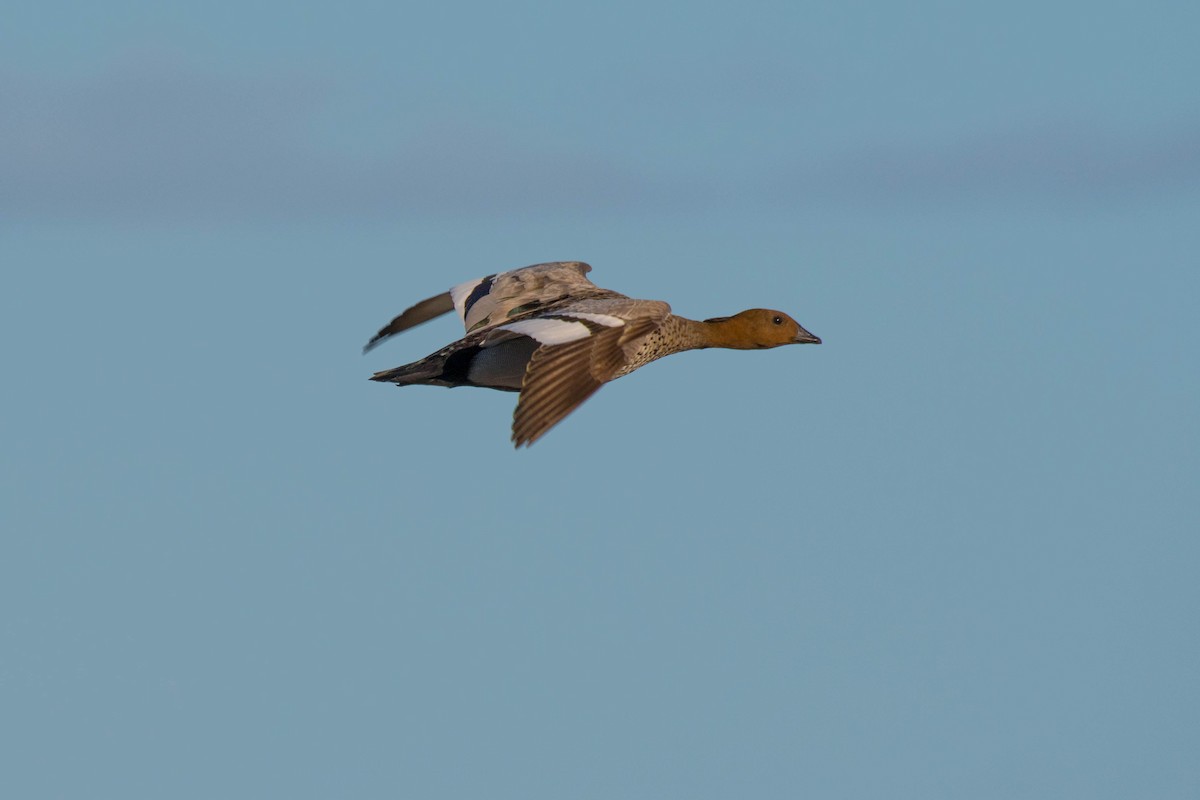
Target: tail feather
427,371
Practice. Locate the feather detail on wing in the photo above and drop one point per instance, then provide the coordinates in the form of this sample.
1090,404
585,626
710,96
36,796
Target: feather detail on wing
561,376
504,297
507,296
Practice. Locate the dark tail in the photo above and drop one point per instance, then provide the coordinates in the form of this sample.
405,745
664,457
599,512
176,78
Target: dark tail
427,371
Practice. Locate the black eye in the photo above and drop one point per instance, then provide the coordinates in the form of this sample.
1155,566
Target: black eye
777,320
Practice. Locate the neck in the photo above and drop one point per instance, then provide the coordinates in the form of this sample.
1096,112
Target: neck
721,332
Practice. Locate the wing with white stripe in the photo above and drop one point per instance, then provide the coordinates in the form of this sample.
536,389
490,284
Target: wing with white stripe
495,299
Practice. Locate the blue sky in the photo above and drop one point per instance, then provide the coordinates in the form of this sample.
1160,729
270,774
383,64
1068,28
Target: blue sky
949,553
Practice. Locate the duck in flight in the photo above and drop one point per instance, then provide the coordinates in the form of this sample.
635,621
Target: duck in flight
551,334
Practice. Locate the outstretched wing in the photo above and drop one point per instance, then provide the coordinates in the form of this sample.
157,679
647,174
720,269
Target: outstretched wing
560,376
504,297
507,296
412,317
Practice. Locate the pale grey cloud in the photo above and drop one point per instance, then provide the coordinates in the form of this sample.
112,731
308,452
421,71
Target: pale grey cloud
153,141
1048,162
167,143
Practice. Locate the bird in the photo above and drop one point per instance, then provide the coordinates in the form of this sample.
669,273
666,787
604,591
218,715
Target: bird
549,333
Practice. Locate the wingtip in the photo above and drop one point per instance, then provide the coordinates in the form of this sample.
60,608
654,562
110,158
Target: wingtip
413,316
523,440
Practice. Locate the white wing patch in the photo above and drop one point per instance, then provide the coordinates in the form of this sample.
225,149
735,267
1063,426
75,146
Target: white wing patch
607,320
548,331
460,293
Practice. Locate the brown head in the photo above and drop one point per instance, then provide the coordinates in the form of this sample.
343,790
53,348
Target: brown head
757,328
